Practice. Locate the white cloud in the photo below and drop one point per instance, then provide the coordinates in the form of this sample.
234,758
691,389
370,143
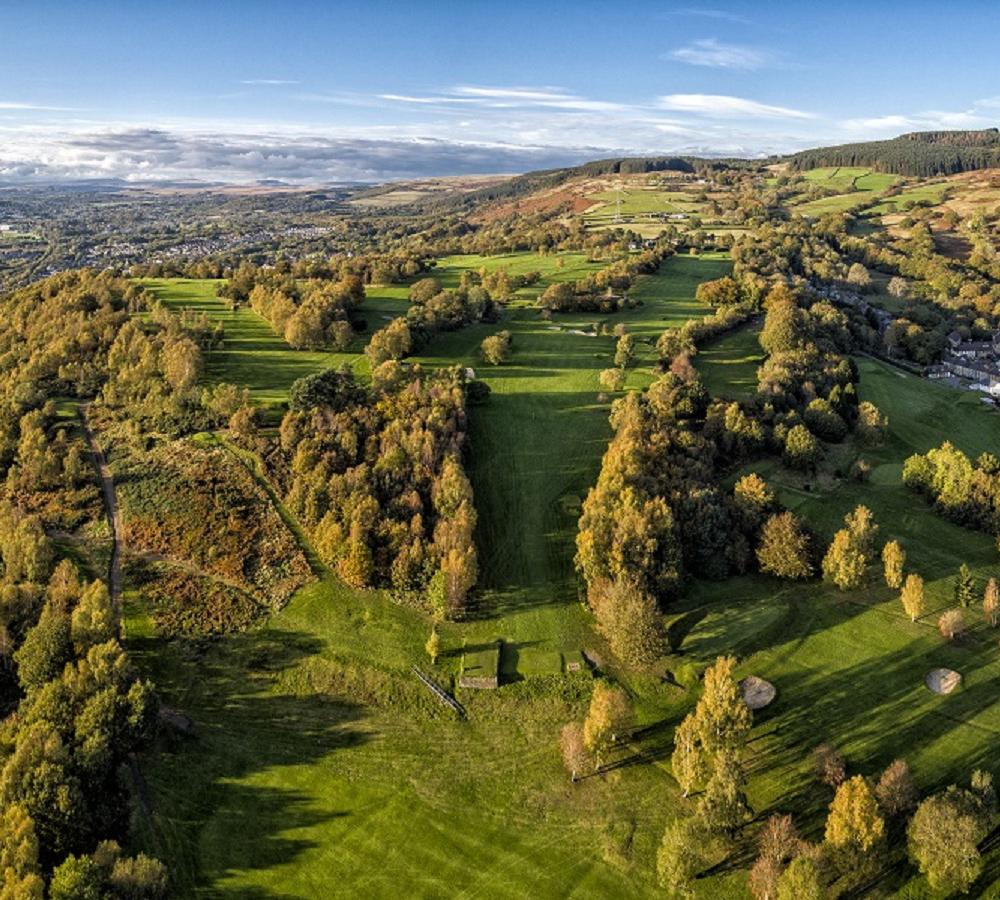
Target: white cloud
723,106
717,55
517,93
507,98
29,107
928,120
430,101
268,81
720,14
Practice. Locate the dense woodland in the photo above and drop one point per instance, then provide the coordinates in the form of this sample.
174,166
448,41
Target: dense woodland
362,475
376,475
75,706
921,154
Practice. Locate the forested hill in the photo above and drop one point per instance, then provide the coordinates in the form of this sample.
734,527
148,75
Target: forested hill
531,182
917,153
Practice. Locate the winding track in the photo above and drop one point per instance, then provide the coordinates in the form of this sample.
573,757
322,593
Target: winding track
110,506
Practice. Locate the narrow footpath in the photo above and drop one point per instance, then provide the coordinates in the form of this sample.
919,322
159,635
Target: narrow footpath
110,506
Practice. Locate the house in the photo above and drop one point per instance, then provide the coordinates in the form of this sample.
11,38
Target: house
974,349
984,373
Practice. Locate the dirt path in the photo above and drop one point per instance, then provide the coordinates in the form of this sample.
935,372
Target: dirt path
110,506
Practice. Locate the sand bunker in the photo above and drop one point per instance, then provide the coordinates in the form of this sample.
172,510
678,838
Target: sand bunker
757,693
942,681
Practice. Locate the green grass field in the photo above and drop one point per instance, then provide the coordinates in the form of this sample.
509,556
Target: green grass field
860,186
920,193
728,366
642,202
322,768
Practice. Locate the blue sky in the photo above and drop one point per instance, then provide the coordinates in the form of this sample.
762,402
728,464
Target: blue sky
301,91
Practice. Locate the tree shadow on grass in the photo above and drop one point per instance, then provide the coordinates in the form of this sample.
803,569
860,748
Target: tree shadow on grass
210,820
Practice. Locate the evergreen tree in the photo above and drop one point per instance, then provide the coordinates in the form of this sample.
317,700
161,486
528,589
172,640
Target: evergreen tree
965,587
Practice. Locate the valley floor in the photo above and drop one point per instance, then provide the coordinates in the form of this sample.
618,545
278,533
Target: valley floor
322,768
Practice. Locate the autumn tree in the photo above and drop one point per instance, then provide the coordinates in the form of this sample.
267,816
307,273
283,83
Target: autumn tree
680,857
723,806
627,617
872,424
844,563
862,528
94,620
802,450
991,603
496,348
625,351
951,624
608,716
782,327
433,645
858,277
755,500
802,880
831,767
893,561
612,380
784,548
912,596
394,341
943,838
854,825
896,791
574,750
688,762
778,842
20,873
724,721
182,364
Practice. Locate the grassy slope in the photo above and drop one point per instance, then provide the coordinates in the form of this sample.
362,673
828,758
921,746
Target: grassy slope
340,790
849,667
866,183
728,365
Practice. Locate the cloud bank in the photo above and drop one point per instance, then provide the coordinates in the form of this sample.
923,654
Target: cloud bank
148,154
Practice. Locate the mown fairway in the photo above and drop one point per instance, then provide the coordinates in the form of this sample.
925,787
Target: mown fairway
321,768
314,730
728,366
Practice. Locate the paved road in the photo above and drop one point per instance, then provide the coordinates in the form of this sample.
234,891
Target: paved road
110,506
